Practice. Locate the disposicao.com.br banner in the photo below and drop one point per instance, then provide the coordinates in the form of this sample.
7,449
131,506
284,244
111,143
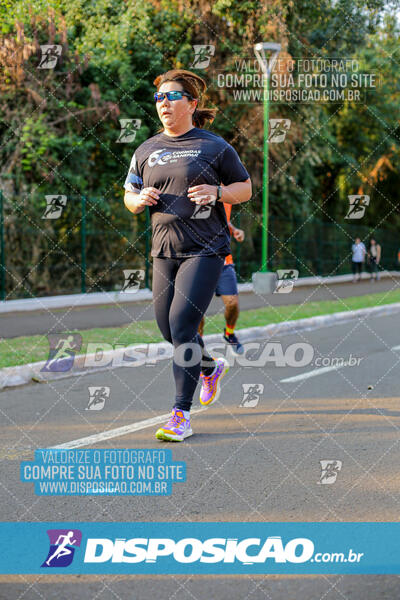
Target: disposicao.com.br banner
200,548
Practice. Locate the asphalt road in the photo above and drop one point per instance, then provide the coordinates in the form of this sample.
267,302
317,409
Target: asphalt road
88,317
243,464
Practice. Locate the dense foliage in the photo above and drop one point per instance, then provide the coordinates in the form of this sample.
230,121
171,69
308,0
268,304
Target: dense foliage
59,127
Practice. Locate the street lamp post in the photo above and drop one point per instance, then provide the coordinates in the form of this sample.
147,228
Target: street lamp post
267,64
264,263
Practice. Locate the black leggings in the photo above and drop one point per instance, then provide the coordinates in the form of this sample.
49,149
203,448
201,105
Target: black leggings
356,267
182,290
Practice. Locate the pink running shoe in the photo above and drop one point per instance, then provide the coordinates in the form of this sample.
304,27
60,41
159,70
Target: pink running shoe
210,389
176,430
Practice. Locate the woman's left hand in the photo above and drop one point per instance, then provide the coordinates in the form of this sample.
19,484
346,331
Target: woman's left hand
202,194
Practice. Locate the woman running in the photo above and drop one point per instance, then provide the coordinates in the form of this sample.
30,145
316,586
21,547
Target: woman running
178,174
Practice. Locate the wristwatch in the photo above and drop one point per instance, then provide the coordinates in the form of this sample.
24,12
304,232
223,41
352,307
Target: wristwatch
219,192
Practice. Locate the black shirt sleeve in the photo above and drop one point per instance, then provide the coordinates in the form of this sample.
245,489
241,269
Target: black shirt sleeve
231,168
134,181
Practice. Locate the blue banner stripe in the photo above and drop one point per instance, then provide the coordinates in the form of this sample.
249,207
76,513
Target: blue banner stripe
200,548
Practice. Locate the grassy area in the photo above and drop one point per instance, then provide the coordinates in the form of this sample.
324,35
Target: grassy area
19,351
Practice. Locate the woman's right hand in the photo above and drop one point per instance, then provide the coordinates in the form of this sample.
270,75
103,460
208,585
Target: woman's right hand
148,197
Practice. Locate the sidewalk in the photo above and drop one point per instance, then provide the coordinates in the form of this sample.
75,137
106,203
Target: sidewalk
115,298
113,309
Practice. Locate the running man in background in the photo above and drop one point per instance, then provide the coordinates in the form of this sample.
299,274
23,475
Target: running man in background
358,256
228,290
374,257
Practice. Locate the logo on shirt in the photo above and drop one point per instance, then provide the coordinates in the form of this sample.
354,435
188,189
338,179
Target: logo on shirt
203,211
165,157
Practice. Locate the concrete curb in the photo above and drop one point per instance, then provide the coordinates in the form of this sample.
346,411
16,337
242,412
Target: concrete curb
96,298
148,354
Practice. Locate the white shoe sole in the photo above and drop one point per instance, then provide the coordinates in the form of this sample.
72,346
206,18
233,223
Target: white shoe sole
166,437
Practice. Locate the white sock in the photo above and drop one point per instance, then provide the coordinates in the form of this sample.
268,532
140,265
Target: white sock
186,414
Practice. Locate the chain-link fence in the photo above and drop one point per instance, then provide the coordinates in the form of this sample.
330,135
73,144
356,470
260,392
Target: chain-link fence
63,245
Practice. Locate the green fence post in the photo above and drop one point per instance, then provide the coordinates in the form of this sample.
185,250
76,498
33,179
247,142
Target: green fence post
83,245
297,247
2,255
147,250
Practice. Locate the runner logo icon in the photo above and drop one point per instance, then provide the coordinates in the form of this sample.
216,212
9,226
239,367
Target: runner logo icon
358,204
286,279
251,394
62,350
97,397
63,543
202,55
54,206
129,128
50,55
329,471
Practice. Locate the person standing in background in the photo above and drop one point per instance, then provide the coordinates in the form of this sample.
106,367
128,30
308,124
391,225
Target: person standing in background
358,256
374,258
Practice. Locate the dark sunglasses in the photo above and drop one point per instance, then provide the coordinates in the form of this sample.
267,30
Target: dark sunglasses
174,95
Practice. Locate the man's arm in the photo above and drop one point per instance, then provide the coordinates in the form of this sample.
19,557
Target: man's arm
237,233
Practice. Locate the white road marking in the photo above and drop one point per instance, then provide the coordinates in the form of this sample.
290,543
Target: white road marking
112,433
313,373
395,348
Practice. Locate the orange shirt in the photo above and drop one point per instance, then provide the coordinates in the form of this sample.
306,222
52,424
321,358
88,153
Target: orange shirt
228,209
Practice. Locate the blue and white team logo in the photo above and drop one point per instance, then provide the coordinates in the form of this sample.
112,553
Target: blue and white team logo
63,348
166,157
158,157
63,543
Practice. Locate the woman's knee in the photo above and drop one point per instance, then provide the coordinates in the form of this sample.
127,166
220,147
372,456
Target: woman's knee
165,331
184,332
